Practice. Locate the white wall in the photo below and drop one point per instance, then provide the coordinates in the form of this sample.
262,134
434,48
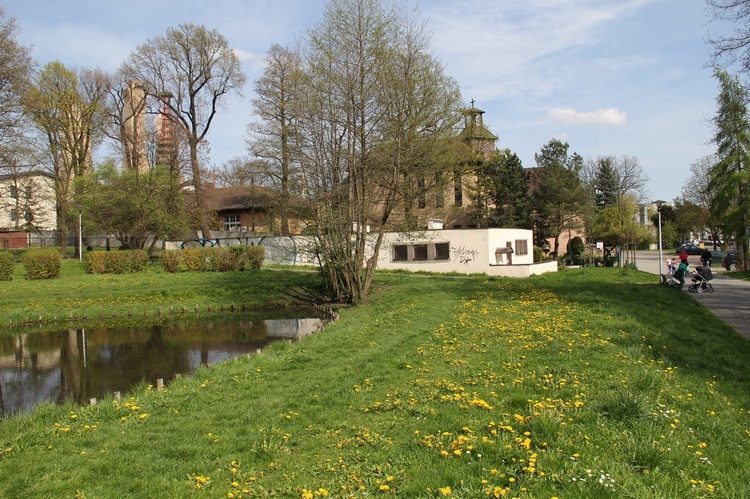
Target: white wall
464,251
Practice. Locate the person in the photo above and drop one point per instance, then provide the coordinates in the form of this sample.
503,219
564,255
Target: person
670,266
679,274
706,258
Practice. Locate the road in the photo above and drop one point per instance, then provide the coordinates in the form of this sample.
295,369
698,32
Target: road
730,301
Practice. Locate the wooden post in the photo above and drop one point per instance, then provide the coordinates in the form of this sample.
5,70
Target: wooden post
92,401
159,384
117,396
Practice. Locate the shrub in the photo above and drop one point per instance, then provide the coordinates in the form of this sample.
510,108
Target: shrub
255,256
7,261
42,264
118,262
538,254
170,260
213,259
194,259
576,247
225,260
94,263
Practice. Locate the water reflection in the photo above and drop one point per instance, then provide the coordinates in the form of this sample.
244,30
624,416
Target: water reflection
80,364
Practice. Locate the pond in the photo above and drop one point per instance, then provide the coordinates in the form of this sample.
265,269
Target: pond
80,364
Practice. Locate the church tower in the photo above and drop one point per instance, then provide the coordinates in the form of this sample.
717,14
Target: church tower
476,135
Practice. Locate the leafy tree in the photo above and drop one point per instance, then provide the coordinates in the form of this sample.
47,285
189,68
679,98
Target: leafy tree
670,237
501,196
606,182
377,107
188,71
615,226
137,207
272,138
730,179
66,107
559,197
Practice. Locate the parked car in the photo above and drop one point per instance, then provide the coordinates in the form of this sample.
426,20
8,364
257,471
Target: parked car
690,249
732,260
717,256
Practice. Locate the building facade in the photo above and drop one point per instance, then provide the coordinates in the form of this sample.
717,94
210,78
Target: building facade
27,202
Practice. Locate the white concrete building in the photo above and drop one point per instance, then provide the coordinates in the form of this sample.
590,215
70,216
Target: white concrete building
495,252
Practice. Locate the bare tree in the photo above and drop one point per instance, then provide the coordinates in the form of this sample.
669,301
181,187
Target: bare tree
239,172
16,70
272,137
65,106
190,70
373,98
735,47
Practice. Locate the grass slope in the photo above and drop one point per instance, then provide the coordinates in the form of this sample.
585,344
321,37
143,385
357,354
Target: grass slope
573,385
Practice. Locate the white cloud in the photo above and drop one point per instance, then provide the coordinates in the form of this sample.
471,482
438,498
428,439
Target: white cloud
603,117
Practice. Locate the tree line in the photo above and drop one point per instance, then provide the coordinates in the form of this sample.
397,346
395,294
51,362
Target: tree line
349,129
358,121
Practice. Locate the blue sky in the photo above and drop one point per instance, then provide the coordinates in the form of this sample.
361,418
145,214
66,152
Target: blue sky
610,77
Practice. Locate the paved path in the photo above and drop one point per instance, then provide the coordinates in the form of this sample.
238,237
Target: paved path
730,301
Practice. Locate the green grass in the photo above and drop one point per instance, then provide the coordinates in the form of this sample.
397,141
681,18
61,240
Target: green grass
578,384
739,274
152,291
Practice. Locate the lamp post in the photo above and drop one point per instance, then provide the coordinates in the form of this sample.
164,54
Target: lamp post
80,237
658,204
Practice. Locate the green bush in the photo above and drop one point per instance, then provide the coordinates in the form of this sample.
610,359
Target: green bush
225,260
7,261
95,263
213,259
194,259
538,254
576,247
115,262
42,264
170,260
255,256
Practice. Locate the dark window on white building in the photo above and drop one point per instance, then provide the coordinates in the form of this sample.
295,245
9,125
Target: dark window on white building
421,252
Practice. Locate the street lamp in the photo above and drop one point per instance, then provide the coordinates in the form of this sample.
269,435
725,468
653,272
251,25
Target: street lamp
658,204
80,237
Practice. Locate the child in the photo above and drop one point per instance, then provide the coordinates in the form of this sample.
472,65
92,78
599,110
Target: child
670,266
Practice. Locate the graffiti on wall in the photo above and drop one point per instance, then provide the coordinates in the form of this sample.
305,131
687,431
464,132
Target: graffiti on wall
465,255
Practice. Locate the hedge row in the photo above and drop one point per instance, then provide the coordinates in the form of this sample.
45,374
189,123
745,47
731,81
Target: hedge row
42,264
213,259
115,262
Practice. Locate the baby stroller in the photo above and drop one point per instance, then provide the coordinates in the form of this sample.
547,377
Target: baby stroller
669,280
700,283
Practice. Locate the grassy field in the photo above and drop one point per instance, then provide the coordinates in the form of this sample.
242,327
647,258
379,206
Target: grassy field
581,384
78,294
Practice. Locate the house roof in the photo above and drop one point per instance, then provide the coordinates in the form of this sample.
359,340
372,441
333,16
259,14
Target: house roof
239,198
